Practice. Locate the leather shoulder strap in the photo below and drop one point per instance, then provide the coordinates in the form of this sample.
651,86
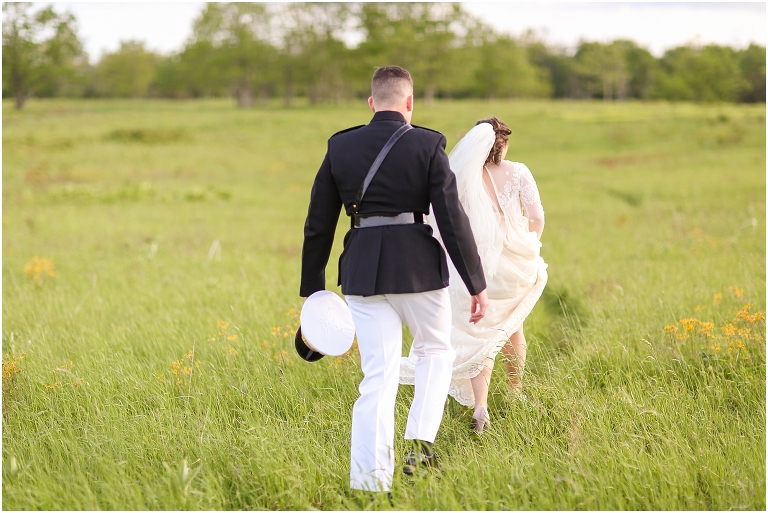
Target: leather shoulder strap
376,164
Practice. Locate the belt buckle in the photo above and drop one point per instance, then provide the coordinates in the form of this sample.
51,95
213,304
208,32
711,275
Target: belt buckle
377,219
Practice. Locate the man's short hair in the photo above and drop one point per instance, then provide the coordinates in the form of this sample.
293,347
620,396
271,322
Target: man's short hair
391,84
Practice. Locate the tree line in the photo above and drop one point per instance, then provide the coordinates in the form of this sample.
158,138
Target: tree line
253,52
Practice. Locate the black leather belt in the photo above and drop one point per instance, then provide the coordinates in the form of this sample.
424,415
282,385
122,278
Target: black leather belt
371,220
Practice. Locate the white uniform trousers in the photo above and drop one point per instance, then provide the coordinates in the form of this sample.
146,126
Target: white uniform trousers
379,326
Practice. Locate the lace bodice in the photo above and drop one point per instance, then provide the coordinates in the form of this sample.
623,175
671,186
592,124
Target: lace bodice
514,187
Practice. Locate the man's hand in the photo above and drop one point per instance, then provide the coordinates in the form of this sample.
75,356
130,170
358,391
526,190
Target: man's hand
479,306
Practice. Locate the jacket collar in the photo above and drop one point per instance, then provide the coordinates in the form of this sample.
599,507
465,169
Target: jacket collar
388,115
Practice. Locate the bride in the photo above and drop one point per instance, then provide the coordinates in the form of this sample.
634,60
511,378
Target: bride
503,205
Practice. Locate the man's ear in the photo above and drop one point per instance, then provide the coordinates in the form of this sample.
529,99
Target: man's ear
370,104
409,103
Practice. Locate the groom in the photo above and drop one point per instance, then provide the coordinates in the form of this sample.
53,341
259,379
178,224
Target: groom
392,271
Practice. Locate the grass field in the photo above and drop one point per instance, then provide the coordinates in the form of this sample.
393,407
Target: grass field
151,255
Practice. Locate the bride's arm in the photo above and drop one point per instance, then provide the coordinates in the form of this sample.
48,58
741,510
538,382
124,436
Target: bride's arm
529,197
430,220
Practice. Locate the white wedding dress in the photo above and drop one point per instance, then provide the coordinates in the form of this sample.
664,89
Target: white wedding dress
501,205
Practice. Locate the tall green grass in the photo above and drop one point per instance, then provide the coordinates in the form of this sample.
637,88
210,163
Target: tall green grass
175,232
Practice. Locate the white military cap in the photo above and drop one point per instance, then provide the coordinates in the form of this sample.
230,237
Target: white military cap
326,327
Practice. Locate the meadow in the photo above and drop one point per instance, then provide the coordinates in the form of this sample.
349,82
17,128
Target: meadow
151,256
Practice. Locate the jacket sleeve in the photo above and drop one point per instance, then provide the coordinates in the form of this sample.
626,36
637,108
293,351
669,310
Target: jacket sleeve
319,229
453,222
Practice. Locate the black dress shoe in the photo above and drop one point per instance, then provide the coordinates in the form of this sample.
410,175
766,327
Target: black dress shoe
420,455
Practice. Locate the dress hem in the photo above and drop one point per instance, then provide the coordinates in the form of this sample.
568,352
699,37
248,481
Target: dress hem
461,388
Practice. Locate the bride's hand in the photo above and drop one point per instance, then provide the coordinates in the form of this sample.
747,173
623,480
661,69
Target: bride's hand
479,306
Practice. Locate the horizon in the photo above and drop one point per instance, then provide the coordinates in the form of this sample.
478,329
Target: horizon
164,27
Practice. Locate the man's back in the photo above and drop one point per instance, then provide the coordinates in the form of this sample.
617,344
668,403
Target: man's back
401,184
388,259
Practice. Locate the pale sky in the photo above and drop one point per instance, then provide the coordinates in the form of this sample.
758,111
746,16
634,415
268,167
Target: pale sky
657,26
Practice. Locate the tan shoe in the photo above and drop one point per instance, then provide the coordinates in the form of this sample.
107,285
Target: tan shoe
480,420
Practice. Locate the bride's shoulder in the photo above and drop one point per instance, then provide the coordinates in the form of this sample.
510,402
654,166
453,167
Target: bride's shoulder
518,167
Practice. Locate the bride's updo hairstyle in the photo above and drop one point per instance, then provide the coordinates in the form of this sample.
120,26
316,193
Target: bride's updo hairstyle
502,136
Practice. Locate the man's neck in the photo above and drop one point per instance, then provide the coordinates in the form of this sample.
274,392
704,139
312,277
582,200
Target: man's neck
403,112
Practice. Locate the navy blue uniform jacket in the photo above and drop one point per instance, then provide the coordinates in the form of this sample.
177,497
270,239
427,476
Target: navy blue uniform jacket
388,259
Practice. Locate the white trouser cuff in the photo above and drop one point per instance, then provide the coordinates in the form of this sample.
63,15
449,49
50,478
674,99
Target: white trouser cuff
377,481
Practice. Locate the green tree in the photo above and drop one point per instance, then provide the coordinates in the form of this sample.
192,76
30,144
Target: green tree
41,51
236,40
126,73
672,82
559,68
603,69
642,68
421,37
707,74
313,57
193,72
505,71
752,64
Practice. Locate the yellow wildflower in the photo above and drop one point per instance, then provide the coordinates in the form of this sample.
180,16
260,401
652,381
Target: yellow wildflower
11,365
737,291
729,330
232,337
743,313
39,268
689,324
717,298
706,328
670,329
